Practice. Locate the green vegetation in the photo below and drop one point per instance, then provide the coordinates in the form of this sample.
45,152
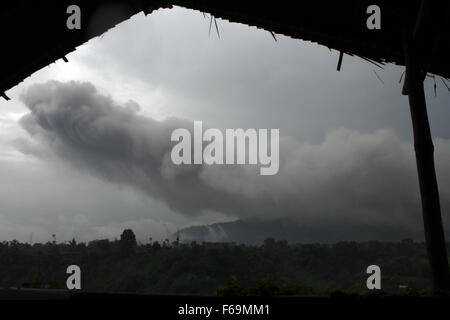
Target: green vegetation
272,268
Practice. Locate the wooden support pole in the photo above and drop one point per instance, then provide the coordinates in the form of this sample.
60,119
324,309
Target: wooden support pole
424,149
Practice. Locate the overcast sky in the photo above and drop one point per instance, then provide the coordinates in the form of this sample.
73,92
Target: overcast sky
85,144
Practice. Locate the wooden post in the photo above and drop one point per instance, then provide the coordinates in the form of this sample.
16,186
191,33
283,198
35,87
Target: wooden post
429,193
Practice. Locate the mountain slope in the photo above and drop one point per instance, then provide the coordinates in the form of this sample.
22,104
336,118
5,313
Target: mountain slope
254,231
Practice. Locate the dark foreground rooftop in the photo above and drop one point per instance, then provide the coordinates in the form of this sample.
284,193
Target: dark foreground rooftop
34,33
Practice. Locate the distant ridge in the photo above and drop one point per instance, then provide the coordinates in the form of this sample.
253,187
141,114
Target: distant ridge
254,231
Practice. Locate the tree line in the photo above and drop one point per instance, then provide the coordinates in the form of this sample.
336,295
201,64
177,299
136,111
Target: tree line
275,267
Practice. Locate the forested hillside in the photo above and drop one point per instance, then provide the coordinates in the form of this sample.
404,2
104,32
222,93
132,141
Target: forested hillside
273,267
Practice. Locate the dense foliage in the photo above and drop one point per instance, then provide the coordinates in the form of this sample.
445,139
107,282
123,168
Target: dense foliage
274,267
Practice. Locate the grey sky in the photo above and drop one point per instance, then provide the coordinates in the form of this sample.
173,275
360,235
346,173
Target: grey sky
168,64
